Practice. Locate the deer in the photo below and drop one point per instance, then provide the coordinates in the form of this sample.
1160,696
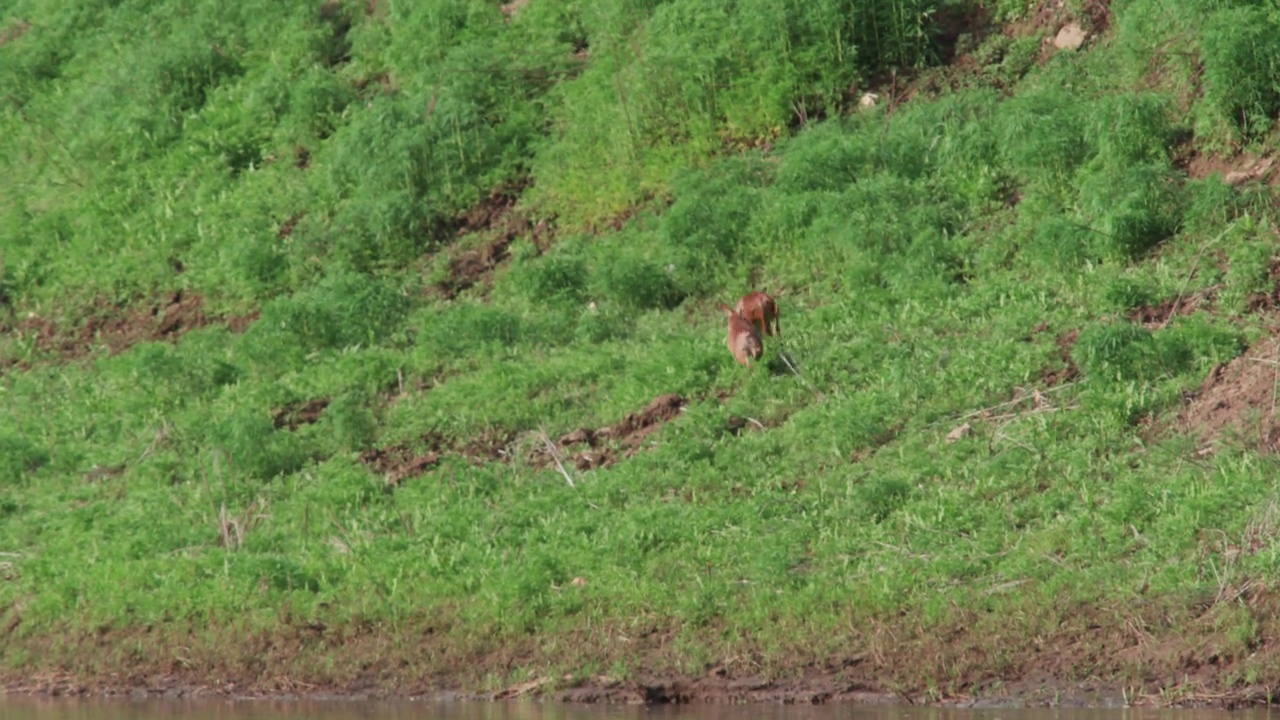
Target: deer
743,339
760,309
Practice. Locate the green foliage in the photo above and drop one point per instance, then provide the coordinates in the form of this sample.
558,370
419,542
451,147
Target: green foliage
21,457
1251,266
252,446
934,259
638,283
342,309
1197,343
1241,47
698,73
1117,351
1134,207
551,279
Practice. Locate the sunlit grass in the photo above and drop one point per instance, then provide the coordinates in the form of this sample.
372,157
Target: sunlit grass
927,258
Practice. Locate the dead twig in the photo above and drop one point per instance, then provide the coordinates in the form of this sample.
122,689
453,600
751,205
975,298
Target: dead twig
1015,401
555,457
1195,265
232,530
817,393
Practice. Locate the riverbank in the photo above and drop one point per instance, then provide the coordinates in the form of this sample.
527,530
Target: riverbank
1086,658
359,347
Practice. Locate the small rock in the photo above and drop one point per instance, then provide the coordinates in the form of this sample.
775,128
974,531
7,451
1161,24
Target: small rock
962,431
1070,37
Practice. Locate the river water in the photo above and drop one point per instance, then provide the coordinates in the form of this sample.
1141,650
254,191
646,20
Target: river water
23,708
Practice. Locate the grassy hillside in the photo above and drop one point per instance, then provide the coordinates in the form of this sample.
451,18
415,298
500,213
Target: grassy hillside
375,344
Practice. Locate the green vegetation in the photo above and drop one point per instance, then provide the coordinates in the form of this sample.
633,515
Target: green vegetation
988,246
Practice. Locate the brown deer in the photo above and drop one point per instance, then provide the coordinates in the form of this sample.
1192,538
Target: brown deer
760,309
743,340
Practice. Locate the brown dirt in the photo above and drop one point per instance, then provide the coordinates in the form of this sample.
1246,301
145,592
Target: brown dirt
1237,401
1064,370
286,228
401,461
166,317
496,218
398,463
15,30
1233,169
296,414
604,446
1159,315
1149,651
625,438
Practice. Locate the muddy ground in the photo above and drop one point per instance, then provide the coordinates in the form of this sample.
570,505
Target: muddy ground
1153,653
115,328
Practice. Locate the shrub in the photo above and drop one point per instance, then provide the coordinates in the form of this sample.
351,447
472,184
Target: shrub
253,446
341,310
351,421
1131,128
1250,269
19,457
638,283
603,323
1117,351
466,326
1134,207
1042,136
1241,51
705,227
1059,242
1196,343
552,278
1127,292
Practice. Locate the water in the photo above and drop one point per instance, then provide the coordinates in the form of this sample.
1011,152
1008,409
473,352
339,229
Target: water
13,708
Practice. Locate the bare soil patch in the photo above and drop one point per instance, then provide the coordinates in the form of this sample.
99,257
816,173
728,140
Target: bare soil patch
496,218
398,463
296,414
1159,315
16,29
1149,651
584,448
607,445
405,460
1238,401
105,324
1064,370
1233,169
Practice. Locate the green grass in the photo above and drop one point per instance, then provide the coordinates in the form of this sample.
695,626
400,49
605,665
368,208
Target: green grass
146,137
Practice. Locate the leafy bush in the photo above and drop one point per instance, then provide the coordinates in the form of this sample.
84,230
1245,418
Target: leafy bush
1251,263
1133,207
706,226
342,309
699,73
1127,292
1117,351
19,457
1043,136
552,278
351,421
1131,128
637,282
1241,50
252,445
1196,343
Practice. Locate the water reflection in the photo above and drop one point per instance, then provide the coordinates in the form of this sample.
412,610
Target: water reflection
22,708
